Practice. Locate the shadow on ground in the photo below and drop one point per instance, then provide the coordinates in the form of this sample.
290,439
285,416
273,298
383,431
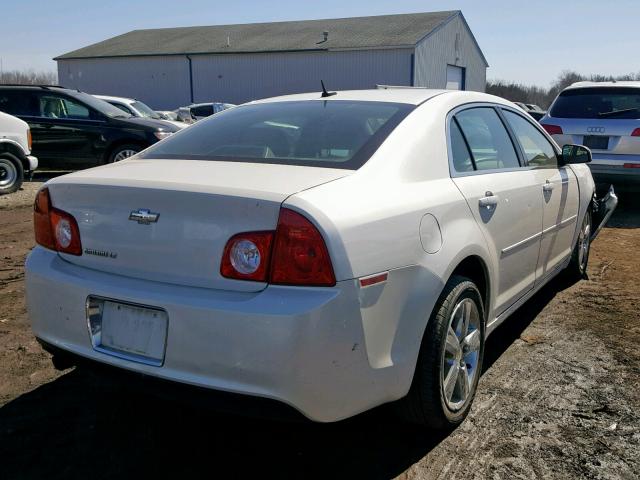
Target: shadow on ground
80,426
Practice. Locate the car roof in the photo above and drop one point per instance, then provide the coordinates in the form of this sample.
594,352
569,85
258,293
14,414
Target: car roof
115,99
627,84
391,94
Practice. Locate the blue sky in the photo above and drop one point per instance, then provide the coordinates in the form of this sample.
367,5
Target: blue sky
530,42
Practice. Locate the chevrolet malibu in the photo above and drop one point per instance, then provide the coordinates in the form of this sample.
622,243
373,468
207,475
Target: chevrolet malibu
331,251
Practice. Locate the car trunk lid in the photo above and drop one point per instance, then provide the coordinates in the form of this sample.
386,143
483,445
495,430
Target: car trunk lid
169,220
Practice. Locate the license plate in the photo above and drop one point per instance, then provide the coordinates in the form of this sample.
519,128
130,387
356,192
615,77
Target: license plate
596,142
128,331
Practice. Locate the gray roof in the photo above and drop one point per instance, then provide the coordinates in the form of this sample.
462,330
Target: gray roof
344,33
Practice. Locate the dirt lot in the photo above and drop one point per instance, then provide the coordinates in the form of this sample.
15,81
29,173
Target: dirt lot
559,398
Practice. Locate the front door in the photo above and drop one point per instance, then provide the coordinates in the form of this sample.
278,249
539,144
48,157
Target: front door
65,131
558,187
504,198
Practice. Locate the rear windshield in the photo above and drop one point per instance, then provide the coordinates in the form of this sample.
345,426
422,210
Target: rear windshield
333,133
600,102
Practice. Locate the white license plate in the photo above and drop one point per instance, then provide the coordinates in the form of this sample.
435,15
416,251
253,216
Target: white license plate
136,331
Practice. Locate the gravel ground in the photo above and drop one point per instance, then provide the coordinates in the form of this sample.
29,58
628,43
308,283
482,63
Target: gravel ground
559,397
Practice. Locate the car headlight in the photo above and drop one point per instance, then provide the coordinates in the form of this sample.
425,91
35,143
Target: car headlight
160,134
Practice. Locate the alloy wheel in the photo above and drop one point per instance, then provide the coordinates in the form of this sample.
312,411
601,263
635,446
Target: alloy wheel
8,173
584,242
461,354
122,154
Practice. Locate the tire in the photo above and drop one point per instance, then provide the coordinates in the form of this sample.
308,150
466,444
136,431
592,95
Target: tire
436,399
11,173
121,152
577,268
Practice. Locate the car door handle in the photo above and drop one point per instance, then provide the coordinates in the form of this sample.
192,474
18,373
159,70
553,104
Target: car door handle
547,187
488,200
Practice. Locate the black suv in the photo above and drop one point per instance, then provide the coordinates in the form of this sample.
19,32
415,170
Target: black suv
72,128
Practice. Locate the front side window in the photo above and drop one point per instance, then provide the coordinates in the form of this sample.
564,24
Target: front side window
335,134
537,149
488,140
122,107
54,106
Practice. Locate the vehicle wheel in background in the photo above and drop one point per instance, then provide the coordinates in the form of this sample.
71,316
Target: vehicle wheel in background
11,173
121,152
450,359
577,268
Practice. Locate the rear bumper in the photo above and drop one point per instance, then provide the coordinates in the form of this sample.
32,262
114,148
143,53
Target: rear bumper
301,346
619,170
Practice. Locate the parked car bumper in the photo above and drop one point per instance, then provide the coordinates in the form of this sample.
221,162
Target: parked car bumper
301,346
619,170
33,162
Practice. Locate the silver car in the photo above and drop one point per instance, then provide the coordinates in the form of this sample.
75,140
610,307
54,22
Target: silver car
604,116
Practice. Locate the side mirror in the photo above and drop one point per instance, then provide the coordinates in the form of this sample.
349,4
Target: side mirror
575,154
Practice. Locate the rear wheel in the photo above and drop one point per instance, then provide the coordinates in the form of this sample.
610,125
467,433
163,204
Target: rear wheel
122,152
11,173
450,359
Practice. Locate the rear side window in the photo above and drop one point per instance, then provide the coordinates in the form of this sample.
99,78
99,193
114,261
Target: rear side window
537,149
334,134
461,157
19,102
202,111
490,144
598,102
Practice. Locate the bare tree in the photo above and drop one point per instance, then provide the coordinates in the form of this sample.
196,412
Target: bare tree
29,77
540,96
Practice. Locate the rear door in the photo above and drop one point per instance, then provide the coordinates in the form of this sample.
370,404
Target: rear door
558,187
504,197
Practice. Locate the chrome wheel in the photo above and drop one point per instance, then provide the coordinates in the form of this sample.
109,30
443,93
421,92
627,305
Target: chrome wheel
461,354
584,242
8,173
122,154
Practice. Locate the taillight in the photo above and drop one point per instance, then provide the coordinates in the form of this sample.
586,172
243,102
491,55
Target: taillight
300,256
552,129
54,228
636,133
295,254
246,256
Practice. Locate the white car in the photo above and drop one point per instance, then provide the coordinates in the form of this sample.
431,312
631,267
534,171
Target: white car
331,252
16,160
136,108
199,111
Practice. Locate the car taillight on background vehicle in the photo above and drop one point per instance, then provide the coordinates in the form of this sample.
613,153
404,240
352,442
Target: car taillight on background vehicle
552,129
54,228
636,133
295,254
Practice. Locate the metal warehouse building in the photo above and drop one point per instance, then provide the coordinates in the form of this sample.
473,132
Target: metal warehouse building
171,67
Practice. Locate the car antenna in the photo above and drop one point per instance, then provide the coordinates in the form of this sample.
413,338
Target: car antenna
324,91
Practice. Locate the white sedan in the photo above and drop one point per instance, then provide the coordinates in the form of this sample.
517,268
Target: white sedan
333,252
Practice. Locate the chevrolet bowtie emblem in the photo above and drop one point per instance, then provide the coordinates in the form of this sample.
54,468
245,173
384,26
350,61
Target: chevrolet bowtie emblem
144,216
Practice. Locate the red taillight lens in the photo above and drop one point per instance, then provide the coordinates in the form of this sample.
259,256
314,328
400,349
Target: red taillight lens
246,256
636,133
54,228
300,256
552,129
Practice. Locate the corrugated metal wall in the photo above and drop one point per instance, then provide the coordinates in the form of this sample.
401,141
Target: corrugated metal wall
245,77
162,82
438,50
